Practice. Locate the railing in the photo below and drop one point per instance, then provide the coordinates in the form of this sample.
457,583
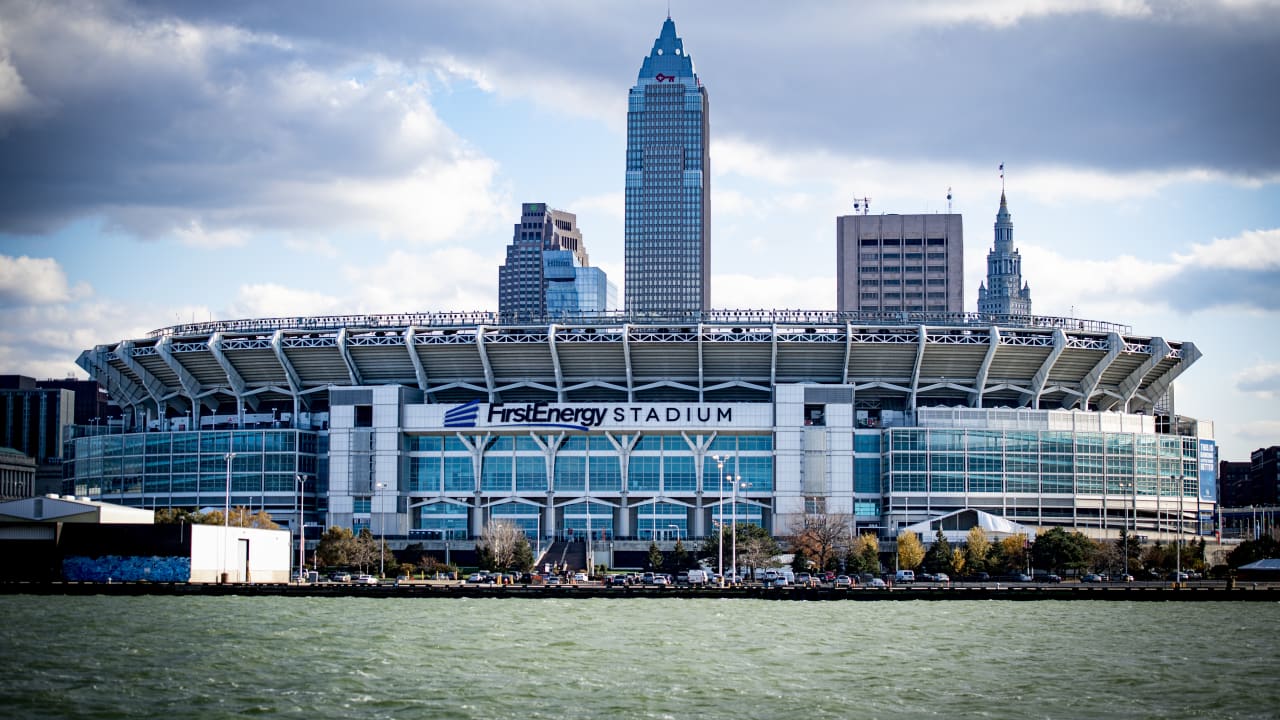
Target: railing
455,320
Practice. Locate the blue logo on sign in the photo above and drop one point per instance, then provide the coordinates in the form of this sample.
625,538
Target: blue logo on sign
463,415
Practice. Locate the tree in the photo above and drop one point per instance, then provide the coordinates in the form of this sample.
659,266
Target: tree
823,537
655,556
800,561
957,562
910,550
680,557
1059,550
864,555
499,545
239,517
1252,551
335,547
977,549
522,558
177,516
364,551
1011,554
938,559
756,547
1128,545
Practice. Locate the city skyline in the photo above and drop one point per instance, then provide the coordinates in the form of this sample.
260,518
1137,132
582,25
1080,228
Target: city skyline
214,163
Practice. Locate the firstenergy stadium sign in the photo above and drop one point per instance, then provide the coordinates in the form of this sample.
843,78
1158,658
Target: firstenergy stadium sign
587,416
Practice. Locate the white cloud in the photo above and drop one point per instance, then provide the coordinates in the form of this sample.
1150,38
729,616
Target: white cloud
453,279
34,281
1251,250
1258,433
194,234
1262,380
272,300
14,96
1003,13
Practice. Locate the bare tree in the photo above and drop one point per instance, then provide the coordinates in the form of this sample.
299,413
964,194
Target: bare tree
499,542
822,537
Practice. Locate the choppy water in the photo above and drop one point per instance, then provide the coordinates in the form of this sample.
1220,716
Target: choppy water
159,657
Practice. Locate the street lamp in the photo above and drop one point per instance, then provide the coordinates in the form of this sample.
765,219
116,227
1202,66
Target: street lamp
226,518
736,482
382,533
677,529
302,529
720,525
226,511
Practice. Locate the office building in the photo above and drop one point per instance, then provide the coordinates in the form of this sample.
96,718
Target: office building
900,263
548,272
668,190
1004,293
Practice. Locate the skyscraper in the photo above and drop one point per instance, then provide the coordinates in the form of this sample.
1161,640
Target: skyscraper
900,263
1004,292
668,230
547,271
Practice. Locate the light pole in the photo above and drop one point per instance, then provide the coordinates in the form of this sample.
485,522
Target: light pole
1177,545
226,518
736,482
382,533
302,529
720,525
226,510
677,529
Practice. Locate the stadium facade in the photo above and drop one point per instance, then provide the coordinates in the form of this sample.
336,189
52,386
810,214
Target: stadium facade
427,427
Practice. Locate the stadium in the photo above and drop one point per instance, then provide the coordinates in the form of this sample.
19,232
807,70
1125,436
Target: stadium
426,427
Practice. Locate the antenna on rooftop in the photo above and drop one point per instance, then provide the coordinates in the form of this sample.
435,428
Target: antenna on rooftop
863,204
948,199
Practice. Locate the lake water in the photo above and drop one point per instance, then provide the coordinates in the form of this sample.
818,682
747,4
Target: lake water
166,657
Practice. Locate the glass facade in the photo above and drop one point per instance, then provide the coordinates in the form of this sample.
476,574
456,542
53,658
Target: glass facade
1105,479
667,224
189,469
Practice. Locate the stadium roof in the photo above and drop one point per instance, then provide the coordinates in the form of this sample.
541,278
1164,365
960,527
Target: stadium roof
912,359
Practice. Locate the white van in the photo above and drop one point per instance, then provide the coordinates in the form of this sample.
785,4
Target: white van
697,577
905,577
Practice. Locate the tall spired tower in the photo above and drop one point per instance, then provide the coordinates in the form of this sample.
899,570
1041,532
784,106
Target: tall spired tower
1004,292
668,227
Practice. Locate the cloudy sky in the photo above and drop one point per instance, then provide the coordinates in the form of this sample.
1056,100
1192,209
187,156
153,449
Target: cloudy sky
168,162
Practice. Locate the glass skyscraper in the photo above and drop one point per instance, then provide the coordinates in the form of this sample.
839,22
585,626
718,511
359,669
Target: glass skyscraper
548,272
668,239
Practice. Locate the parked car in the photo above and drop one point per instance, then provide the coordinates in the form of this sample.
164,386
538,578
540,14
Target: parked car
875,583
554,580
941,578
342,577
580,577
366,580
843,581
905,577
1049,578
661,580
476,578
1091,578
1120,577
